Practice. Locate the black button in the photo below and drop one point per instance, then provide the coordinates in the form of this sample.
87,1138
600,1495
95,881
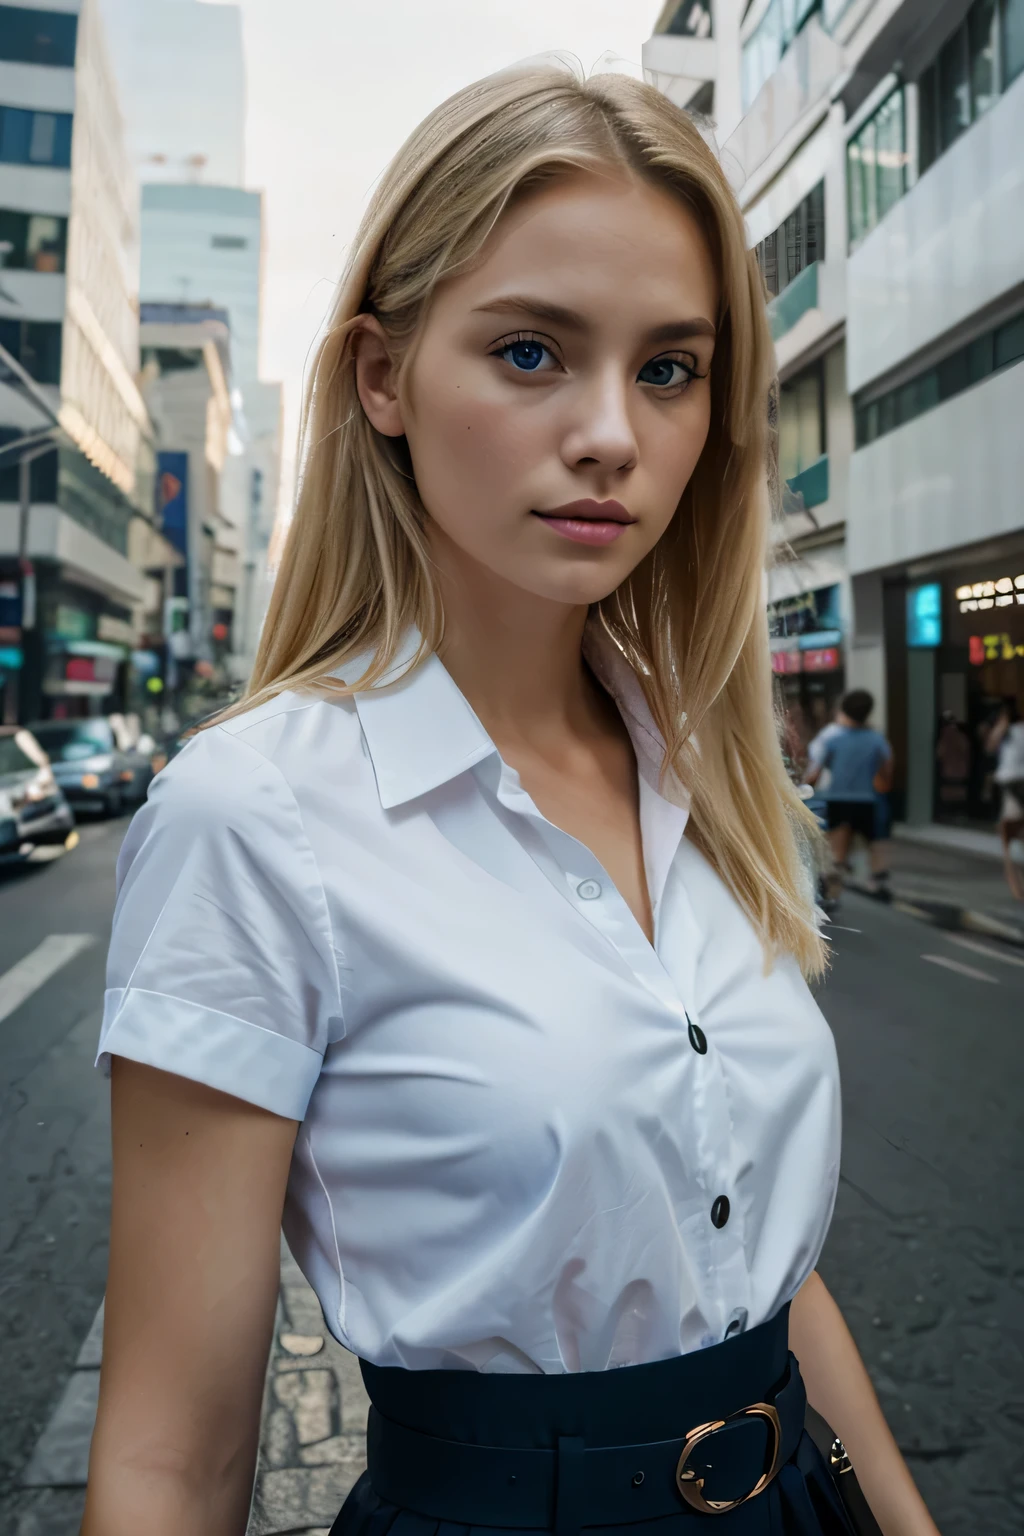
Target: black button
697,1037
720,1211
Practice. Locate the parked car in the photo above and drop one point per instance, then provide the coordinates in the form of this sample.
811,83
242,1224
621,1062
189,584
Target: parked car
94,769
33,809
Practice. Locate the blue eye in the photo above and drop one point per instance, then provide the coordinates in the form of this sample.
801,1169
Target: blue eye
665,372
525,355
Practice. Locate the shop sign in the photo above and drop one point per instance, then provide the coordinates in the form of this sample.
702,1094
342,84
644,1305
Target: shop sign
807,613
119,631
10,658
1001,592
72,623
825,660
785,663
982,648
924,616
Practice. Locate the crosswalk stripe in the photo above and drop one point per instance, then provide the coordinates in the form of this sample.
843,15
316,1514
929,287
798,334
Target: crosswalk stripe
38,966
985,949
961,970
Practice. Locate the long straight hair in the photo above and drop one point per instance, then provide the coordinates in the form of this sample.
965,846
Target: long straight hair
355,572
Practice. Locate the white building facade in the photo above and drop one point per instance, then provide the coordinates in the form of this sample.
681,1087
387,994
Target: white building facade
875,146
181,68
68,319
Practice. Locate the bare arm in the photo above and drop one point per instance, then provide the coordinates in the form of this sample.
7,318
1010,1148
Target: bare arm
839,1387
199,1181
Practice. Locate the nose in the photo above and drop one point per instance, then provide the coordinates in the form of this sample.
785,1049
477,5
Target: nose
600,431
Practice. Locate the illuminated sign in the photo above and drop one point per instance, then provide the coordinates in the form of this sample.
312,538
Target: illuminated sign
1003,592
924,616
785,663
982,648
825,660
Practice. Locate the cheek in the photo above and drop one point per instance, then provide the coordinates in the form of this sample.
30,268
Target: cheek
464,444
675,446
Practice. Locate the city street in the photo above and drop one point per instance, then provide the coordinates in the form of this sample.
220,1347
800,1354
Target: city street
926,1253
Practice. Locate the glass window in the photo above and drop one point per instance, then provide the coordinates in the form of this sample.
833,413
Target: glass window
768,261
43,139
1009,342
890,148
801,426
979,358
46,243
857,192
983,42
36,346
1012,37
815,243
35,138
928,390
68,742
28,36
32,240
886,413
692,19
954,89
927,126
13,757
952,374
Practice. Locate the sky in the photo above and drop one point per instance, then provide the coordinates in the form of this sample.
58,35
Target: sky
335,87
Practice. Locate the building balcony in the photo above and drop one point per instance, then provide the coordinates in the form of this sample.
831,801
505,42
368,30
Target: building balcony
799,86
951,476
953,244
794,301
811,484
679,66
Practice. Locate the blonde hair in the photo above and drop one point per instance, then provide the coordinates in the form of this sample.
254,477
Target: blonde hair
355,571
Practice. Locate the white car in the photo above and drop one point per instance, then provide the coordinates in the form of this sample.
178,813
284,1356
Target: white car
33,809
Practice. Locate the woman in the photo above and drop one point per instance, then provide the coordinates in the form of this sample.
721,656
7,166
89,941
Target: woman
1005,742
412,946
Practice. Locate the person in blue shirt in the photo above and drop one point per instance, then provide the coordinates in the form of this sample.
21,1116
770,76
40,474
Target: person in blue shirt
859,761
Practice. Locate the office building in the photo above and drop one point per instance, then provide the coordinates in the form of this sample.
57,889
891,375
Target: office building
876,155
69,326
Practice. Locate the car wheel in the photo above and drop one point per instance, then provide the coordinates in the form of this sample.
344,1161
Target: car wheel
113,803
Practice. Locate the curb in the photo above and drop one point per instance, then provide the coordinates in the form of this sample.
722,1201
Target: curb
941,914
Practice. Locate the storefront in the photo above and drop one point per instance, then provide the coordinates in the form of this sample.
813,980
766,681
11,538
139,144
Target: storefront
807,658
956,665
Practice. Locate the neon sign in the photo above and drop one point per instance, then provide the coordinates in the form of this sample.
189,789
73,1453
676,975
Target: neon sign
982,648
1004,592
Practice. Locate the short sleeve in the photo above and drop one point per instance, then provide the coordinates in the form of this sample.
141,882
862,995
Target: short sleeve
221,966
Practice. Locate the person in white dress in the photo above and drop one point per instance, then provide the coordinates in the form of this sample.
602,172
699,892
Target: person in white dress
470,944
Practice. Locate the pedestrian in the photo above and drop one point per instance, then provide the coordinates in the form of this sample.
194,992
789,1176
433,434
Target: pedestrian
471,940
1006,742
859,764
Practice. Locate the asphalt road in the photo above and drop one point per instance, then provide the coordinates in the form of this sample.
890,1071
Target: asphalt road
926,1252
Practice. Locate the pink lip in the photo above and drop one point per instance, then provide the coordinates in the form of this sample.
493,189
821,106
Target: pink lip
589,522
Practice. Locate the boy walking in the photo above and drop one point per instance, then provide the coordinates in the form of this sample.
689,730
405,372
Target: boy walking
859,761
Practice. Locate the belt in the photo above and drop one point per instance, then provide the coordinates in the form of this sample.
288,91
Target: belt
709,1470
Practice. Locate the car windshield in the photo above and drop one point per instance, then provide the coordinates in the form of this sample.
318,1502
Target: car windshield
13,757
68,740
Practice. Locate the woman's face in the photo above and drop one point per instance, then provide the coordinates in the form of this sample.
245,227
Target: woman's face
557,396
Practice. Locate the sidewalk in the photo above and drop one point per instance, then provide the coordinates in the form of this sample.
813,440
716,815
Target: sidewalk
953,877
312,1436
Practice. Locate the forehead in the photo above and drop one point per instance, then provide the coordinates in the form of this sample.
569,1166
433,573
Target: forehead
598,241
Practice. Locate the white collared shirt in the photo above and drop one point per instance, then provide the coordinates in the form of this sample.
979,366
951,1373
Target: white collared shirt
529,1141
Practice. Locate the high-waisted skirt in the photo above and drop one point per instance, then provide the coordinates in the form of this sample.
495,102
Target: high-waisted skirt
715,1438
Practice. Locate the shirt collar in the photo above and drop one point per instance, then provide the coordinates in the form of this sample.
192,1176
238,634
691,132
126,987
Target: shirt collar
421,732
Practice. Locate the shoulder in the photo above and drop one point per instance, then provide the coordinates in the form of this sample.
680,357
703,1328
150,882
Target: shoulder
275,749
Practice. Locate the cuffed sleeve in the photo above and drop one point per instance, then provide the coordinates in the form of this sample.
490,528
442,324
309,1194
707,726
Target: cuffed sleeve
222,965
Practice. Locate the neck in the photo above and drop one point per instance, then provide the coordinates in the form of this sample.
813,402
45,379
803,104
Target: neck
517,657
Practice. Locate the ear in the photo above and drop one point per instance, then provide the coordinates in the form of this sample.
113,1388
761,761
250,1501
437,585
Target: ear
377,377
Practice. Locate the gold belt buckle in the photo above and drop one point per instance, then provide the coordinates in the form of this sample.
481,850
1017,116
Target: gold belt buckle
691,1487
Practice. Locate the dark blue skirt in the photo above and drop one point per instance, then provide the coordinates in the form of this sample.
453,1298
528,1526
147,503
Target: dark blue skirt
463,1453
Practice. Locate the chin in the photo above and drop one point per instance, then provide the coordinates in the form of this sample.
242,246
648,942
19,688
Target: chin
575,588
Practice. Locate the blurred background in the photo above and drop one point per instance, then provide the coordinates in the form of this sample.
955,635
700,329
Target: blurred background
179,183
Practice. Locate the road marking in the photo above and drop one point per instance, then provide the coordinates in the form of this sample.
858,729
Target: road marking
960,968
985,949
38,966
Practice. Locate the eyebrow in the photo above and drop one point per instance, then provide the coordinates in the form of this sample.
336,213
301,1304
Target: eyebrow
569,319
